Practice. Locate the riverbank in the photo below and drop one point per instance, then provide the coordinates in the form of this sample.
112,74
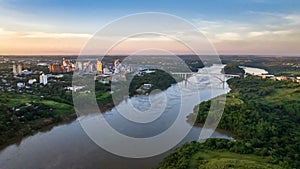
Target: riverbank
25,114
68,146
44,126
262,115
66,115
229,134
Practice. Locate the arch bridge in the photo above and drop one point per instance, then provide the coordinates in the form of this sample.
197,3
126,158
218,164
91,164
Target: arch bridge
219,76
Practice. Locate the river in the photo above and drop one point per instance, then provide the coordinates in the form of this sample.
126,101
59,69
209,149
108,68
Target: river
68,146
253,70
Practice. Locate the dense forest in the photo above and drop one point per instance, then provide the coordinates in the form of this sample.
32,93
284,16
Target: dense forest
264,117
26,110
159,79
233,69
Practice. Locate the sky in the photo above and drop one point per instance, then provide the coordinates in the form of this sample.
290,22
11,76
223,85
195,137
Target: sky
54,27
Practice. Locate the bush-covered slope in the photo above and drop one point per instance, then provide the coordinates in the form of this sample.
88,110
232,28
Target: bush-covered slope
264,117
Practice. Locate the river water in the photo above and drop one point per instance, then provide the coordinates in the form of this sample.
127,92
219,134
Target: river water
253,70
68,146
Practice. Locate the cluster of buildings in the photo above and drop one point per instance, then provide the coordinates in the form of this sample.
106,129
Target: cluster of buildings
98,67
66,66
18,70
43,79
280,78
86,66
89,66
35,74
291,64
105,73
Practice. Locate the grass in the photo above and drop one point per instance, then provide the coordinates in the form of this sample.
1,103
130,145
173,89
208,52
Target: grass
283,94
289,73
103,98
16,100
232,99
61,108
227,160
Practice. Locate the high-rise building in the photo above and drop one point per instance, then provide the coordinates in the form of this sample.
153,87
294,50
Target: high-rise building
67,65
51,68
56,68
15,69
67,68
116,63
79,66
19,69
99,66
117,67
91,67
43,79
86,66
72,67
65,62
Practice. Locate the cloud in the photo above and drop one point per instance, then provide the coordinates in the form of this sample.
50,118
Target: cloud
259,32
54,35
255,34
293,19
150,38
20,34
220,25
259,24
10,17
4,32
276,20
228,36
273,34
265,30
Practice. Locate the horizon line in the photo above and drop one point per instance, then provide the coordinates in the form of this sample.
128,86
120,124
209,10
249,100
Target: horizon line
234,54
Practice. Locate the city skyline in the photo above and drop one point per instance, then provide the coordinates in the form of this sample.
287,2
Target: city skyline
261,27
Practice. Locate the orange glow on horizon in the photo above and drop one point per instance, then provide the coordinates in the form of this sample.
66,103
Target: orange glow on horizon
14,43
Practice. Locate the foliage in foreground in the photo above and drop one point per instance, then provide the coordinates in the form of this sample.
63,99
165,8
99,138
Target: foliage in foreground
264,117
213,154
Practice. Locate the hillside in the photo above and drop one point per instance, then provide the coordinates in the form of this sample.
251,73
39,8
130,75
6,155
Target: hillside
264,117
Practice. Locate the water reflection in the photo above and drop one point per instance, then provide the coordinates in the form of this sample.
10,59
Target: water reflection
67,146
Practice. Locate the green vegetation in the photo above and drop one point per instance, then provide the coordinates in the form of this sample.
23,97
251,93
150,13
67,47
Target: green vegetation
22,114
233,69
213,154
103,96
289,66
159,79
194,63
26,110
263,115
215,159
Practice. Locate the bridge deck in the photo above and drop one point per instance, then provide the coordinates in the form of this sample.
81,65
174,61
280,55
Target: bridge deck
202,73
